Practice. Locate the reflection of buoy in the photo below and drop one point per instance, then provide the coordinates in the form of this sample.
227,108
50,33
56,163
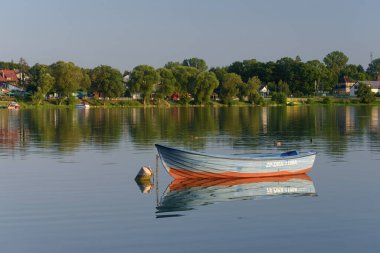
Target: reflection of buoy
145,186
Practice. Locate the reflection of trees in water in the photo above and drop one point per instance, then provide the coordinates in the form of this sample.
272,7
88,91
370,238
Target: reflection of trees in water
332,128
66,129
13,134
185,126
57,129
105,126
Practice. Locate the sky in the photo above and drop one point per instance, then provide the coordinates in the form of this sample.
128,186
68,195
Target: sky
126,33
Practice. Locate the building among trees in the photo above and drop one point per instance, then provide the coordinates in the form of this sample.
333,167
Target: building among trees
264,91
344,87
374,85
9,80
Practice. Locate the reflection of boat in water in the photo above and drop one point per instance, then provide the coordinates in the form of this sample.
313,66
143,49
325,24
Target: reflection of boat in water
13,106
83,105
182,195
189,164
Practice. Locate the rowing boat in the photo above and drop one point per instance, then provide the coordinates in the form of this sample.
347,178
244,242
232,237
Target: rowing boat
180,163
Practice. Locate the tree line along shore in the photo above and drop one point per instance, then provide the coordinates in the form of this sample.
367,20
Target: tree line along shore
190,82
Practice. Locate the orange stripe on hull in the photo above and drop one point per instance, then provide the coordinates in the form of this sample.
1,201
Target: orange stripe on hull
182,184
181,174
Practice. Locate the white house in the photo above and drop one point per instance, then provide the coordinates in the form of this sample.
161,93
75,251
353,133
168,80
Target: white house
344,87
263,90
374,85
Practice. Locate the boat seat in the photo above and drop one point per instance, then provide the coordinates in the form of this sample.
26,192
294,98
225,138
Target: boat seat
290,153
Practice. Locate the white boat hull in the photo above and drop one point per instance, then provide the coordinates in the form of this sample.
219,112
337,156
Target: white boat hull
188,164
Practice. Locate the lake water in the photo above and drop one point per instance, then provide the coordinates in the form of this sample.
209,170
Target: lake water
67,181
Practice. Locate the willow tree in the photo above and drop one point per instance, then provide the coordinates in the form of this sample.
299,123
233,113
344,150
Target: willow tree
108,81
167,82
204,85
230,87
252,88
68,78
143,79
41,82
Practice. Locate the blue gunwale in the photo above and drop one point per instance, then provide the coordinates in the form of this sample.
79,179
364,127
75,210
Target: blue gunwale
260,157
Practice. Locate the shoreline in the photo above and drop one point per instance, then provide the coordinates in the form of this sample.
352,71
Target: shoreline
136,104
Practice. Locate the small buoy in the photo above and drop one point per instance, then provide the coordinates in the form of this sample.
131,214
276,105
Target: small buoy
311,140
144,174
278,143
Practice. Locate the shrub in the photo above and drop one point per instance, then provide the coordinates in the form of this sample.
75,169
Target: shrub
71,100
279,97
186,99
298,94
327,100
365,94
354,101
257,99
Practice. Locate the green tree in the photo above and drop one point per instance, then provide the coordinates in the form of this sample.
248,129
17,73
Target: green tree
257,98
68,78
41,82
354,72
167,82
172,64
238,68
252,87
229,87
108,81
197,63
335,62
319,73
23,68
85,83
374,68
219,73
8,65
144,79
185,78
204,85
279,97
283,87
361,74
365,94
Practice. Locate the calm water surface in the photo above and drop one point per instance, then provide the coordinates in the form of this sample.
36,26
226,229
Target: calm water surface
67,181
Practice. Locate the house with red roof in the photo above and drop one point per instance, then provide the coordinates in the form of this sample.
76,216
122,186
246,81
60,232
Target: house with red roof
9,80
7,75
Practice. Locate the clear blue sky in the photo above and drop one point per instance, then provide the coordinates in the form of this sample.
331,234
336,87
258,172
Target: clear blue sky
124,33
